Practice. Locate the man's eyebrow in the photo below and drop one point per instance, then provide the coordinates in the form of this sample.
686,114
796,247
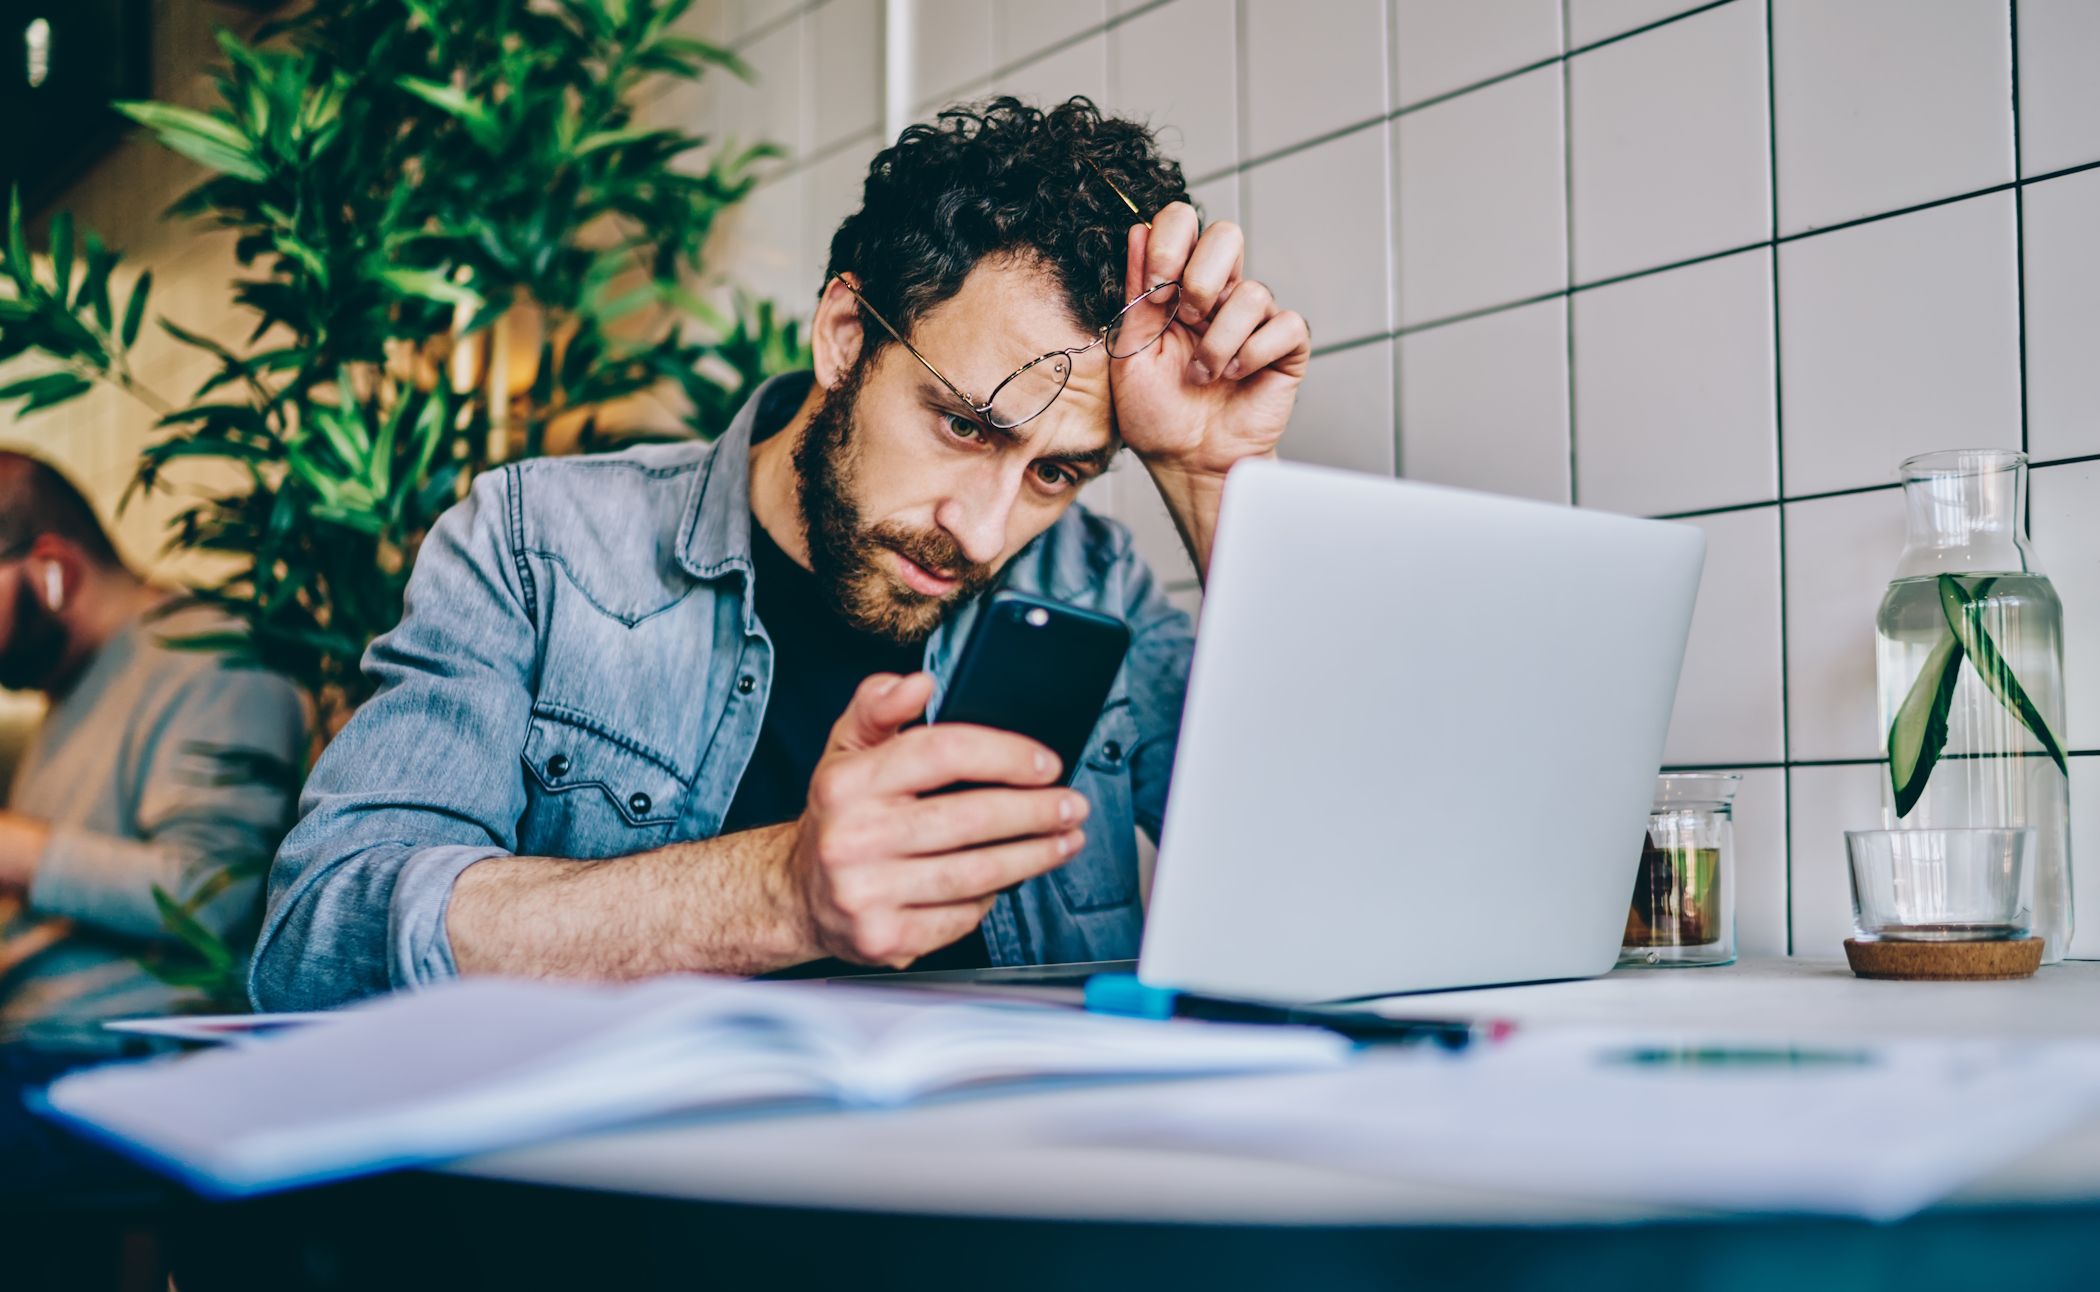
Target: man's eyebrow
1093,461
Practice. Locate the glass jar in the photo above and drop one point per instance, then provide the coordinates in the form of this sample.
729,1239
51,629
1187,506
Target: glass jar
1684,894
1969,670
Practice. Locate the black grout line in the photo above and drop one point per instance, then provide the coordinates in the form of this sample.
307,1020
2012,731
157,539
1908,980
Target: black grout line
1567,221
1482,84
1459,93
771,25
1305,145
1889,487
1726,509
1648,27
2012,8
1000,73
1485,310
1786,698
1353,343
1753,765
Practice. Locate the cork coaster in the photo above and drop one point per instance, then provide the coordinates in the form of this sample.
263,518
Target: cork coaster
1945,961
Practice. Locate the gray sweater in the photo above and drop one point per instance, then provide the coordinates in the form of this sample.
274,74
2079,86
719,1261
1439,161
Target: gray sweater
122,768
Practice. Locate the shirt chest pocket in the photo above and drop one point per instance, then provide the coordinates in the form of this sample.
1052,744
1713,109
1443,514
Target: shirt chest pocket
1104,875
589,795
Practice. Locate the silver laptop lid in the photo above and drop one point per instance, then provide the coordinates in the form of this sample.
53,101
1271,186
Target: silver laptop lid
1421,739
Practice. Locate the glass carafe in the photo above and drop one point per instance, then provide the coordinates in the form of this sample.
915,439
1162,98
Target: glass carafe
1970,662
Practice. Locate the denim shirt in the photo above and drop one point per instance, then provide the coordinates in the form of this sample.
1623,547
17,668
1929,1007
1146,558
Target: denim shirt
579,673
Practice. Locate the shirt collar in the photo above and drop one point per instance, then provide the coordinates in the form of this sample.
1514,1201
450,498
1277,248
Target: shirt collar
717,533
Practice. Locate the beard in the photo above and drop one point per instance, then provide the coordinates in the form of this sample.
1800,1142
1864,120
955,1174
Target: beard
35,645
846,553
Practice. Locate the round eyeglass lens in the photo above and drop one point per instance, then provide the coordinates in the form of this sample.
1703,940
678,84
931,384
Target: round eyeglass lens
1023,396
1144,320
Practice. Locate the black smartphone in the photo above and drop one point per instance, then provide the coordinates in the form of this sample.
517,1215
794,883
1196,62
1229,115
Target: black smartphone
1040,668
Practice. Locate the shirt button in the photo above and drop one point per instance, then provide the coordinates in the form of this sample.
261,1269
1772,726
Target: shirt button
639,803
746,684
558,766
1112,751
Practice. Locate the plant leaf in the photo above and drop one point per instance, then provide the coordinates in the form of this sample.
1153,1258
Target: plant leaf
198,136
1919,732
62,255
135,312
1964,611
431,285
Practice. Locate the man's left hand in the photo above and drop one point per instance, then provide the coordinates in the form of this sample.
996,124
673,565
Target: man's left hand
1219,385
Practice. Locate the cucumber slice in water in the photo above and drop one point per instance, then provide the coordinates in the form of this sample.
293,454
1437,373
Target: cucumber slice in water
1919,732
1963,617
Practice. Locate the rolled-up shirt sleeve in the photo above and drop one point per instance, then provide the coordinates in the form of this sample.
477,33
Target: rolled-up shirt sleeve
194,814
420,784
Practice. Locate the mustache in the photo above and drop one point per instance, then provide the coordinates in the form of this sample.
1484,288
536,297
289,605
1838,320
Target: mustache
934,550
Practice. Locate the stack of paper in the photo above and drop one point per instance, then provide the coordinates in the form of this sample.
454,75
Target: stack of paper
489,1064
1877,1131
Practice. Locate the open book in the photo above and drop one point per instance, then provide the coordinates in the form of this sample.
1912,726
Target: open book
485,1064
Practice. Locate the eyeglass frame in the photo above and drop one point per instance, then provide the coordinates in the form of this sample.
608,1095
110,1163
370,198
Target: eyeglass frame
984,410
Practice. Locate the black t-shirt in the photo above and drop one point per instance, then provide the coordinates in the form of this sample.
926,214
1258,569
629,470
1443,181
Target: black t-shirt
819,660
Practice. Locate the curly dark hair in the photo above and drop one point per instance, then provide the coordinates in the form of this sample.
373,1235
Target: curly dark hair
1002,178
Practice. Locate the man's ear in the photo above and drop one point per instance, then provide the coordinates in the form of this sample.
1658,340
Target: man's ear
57,565
835,334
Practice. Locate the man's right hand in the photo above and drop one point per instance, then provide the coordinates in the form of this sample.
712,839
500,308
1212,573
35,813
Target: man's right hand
889,871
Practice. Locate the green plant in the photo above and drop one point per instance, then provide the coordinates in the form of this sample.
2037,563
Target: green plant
1918,734
458,245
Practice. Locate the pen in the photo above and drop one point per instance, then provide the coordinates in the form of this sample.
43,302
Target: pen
1124,995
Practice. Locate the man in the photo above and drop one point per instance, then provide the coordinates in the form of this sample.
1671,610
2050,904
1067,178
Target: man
124,787
698,669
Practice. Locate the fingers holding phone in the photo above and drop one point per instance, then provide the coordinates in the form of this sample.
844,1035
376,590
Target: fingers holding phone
886,874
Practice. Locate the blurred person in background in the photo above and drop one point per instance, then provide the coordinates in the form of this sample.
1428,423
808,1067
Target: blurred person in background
132,780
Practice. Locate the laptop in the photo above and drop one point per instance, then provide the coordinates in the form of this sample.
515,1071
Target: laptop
1420,742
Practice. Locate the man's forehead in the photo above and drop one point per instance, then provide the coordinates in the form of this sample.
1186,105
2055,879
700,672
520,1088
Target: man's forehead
1008,311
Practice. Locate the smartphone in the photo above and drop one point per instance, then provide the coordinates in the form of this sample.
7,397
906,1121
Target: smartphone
1040,668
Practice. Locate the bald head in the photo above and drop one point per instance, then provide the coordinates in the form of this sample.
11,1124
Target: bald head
36,500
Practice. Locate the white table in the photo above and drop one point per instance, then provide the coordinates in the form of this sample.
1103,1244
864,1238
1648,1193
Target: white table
990,1156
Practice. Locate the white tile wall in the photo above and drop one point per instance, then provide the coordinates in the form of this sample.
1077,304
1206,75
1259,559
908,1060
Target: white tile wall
2085,861
1174,66
846,70
832,193
1482,207
2066,531
951,47
1345,414
1484,403
769,108
1590,21
1840,553
1674,396
1317,234
2063,315
1885,103
1078,68
1760,849
1307,76
1823,803
1024,28
1669,144
2059,95
1444,45
1898,337
1728,697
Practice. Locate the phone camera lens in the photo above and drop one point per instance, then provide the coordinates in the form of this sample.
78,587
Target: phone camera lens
1037,617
